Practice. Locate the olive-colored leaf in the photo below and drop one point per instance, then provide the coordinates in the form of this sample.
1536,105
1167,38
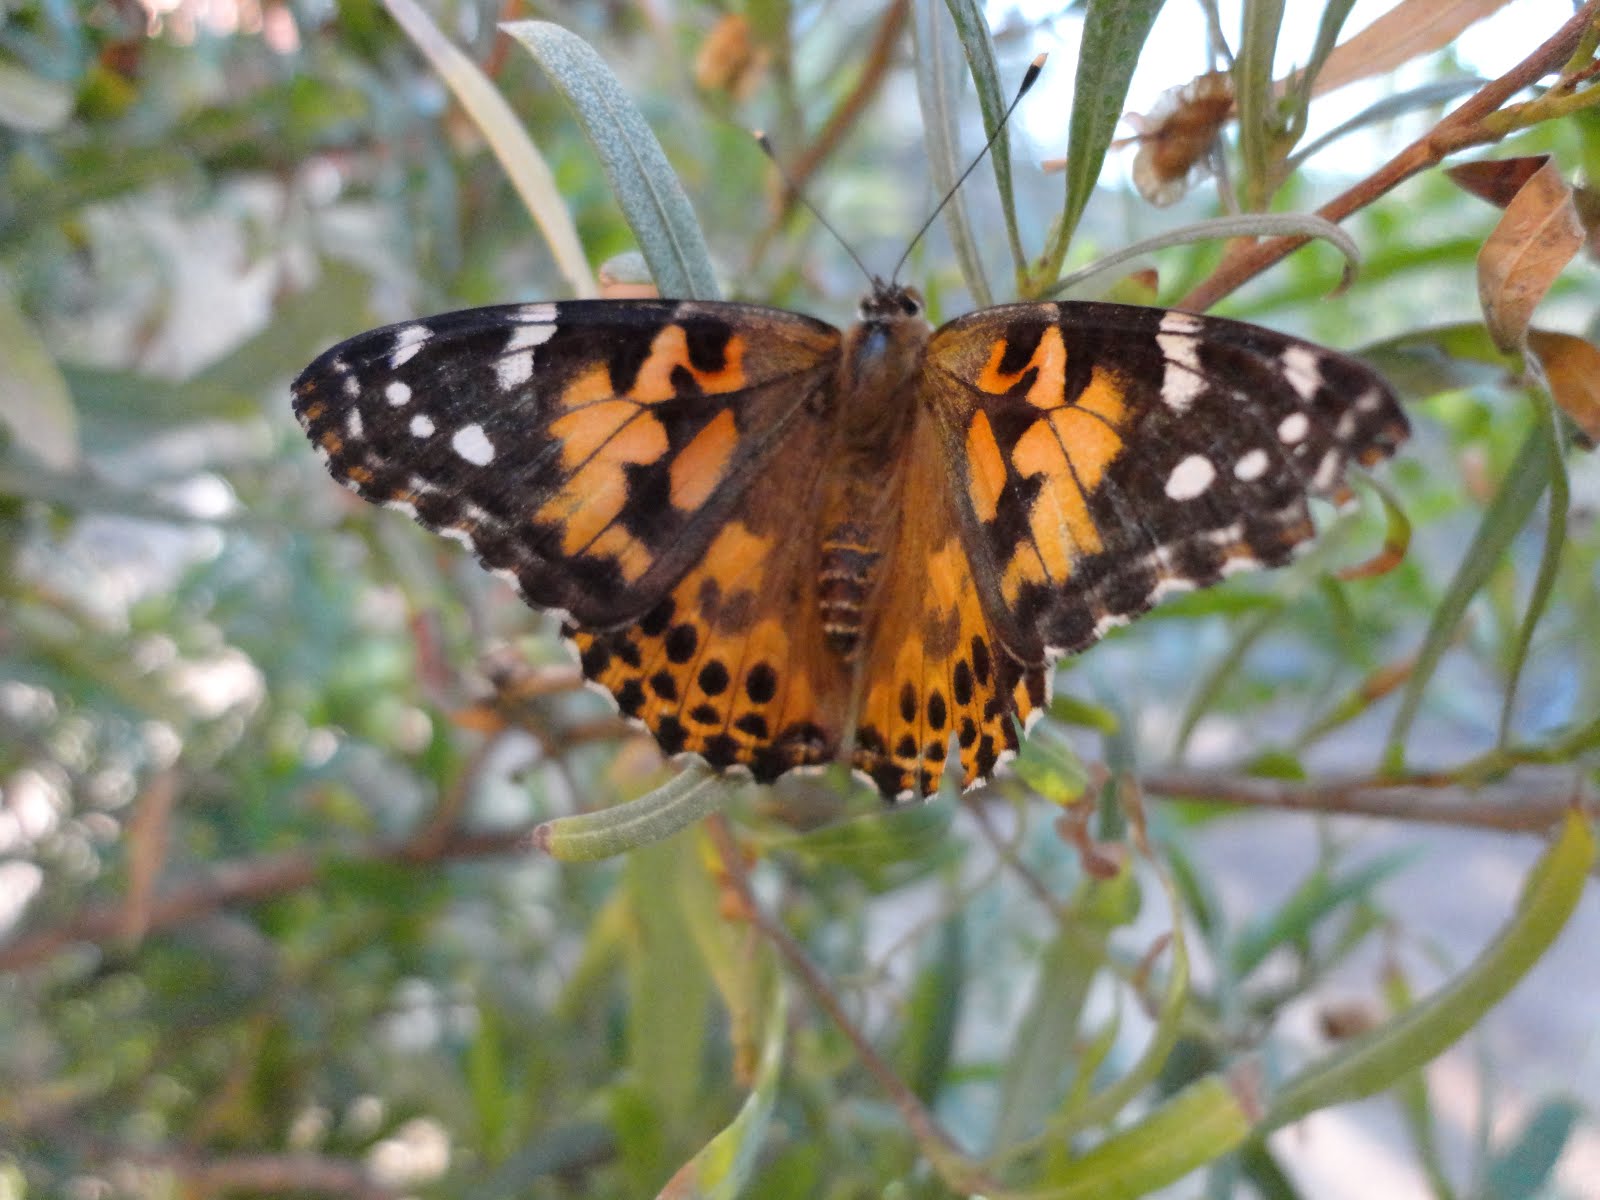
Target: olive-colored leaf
519,157
1534,241
979,49
607,832
1114,32
1526,481
35,403
641,178
1372,1062
938,94
723,1167
1197,1126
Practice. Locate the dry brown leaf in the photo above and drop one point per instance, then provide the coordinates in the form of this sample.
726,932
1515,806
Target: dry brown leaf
1532,244
1407,31
1497,180
1572,366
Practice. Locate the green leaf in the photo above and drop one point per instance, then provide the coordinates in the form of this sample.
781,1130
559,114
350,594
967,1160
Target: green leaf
933,1010
1525,482
1374,1061
1216,228
941,134
724,1166
1256,99
588,837
1334,15
1114,31
1050,766
652,201
874,839
519,157
1555,538
35,403
1197,1126
1045,1043
976,43
1317,898
1522,1170
669,989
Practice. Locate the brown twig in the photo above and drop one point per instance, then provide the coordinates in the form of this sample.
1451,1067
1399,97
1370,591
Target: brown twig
247,881
1462,128
880,55
960,1172
1511,810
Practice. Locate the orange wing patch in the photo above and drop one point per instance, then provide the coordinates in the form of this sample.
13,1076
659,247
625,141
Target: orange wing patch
1068,450
720,667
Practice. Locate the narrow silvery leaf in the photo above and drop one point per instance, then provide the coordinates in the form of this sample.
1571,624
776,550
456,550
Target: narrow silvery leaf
518,156
648,192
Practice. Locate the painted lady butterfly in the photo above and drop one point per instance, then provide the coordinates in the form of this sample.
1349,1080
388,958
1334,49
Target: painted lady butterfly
777,544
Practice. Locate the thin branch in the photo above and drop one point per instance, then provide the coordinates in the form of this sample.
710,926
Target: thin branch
873,72
1464,127
1512,810
249,881
960,1172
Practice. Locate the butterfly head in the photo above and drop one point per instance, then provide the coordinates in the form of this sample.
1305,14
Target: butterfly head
884,348
888,303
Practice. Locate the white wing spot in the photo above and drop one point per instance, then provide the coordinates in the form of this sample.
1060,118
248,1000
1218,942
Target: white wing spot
456,534
421,426
352,386
1346,425
515,370
1174,321
1181,383
542,314
1301,368
1369,401
526,337
352,424
473,445
1293,428
1251,466
1190,477
407,341
397,393
1327,471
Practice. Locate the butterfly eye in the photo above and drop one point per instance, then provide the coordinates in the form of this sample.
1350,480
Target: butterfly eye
909,305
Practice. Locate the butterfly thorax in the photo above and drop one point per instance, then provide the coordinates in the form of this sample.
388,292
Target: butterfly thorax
876,398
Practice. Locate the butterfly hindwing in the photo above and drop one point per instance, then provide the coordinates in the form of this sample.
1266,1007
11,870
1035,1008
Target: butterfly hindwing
934,669
732,664
1105,455
588,450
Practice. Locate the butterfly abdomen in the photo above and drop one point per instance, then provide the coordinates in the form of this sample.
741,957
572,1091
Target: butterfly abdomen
845,576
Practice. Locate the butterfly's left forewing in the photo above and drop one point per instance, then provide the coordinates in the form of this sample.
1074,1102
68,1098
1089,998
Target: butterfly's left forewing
1105,455
588,450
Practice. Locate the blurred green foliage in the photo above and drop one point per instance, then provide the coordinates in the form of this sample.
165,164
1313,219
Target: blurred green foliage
270,921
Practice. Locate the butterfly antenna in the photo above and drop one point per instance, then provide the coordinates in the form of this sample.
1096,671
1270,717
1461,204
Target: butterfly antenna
1032,74
794,190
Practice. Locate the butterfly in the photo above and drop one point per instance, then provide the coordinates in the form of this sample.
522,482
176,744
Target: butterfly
778,544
